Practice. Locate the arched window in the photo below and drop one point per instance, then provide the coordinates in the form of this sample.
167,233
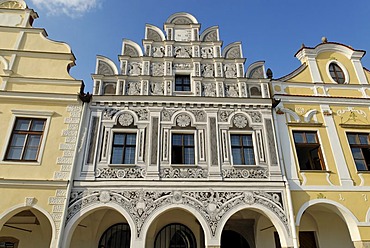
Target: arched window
116,236
175,236
336,73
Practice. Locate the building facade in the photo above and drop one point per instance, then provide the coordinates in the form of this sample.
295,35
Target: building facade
324,124
178,148
39,121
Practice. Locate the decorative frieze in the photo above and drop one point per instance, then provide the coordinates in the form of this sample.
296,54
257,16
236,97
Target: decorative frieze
244,173
211,205
120,173
183,173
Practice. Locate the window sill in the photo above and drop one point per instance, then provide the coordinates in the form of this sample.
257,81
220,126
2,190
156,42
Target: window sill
315,171
304,124
184,165
121,165
363,172
19,162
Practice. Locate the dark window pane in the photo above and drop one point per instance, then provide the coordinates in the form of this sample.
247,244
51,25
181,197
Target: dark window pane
183,150
182,82
30,154
237,155
177,139
235,140
131,139
352,138
364,139
18,140
360,165
242,149
22,124
360,148
311,137
117,155
247,140
123,150
249,156
189,140
119,139
15,153
38,125
129,155
189,155
298,137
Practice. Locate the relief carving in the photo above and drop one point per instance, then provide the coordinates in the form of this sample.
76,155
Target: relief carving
135,68
209,89
133,88
158,52
156,88
207,70
157,69
207,52
182,52
230,71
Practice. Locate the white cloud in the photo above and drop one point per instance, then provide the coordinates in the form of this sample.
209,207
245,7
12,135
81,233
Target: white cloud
73,8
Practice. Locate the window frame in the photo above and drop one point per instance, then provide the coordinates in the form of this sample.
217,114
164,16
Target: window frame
182,85
26,114
111,140
342,67
320,150
361,146
184,132
255,151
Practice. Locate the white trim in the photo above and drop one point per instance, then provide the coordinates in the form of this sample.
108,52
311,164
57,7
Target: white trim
196,146
347,216
342,67
255,147
46,115
110,145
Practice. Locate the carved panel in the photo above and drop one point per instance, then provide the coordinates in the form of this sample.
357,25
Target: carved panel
104,68
242,173
207,52
135,68
133,88
183,173
130,51
158,51
157,69
211,36
232,90
156,88
182,52
207,70
121,173
153,35
209,89
230,71
212,205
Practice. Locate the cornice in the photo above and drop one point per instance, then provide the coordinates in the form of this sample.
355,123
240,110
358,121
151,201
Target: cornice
38,97
24,183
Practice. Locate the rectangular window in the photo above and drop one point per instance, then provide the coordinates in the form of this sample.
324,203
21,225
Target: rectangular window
183,150
26,139
123,148
307,239
360,148
308,150
182,82
242,149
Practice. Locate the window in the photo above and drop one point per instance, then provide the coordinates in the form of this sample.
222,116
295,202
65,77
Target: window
123,148
307,239
336,73
183,149
182,83
360,148
308,150
242,149
175,236
26,139
116,236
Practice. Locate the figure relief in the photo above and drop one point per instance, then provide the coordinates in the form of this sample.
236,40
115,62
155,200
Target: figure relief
133,88
183,52
158,51
135,68
207,52
207,70
230,71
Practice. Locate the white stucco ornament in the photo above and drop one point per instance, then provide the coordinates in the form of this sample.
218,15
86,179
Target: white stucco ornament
125,119
249,197
104,197
183,120
240,121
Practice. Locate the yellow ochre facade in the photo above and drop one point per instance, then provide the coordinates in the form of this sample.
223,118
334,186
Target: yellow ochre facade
39,122
322,119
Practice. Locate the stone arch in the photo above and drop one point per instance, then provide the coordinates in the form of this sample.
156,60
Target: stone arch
105,66
256,70
154,33
182,18
131,48
77,218
6,215
183,112
210,34
231,118
164,209
281,228
233,51
347,216
121,112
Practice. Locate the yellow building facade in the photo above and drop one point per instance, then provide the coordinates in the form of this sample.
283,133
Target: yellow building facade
323,124
39,122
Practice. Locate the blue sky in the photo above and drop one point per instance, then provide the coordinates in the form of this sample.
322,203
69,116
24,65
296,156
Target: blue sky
269,30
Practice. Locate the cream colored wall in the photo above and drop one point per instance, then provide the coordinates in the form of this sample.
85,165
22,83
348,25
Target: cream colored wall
322,60
342,133
355,202
265,233
48,166
71,87
39,237
36,41
11,37
303,76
